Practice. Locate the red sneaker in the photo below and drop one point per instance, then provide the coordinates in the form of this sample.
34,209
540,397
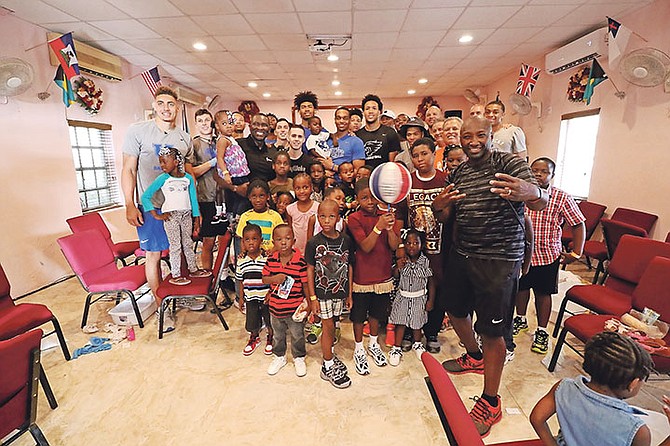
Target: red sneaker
464,364
484,415
366,329
390,335
252,345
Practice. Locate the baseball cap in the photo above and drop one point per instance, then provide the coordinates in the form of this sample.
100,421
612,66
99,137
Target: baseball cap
389,114
413,122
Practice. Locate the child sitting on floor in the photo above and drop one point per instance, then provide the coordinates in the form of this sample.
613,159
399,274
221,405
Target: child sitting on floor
178,212
592,411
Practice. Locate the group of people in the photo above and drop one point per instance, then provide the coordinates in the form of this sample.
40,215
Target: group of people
313,242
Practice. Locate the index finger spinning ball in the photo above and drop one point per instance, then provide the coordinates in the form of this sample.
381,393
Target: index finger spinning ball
390,183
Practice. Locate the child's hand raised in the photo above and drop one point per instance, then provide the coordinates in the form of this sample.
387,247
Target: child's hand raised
401,262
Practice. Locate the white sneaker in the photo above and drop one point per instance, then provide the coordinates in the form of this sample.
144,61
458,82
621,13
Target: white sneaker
276,365
300,367
418,349
395,355
509,356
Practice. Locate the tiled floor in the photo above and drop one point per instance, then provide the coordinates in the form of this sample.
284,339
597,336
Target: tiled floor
195,387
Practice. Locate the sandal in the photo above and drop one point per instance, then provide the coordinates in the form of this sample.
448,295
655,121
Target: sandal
179,281
200,273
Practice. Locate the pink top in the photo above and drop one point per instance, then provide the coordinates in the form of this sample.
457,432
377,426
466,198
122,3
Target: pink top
300,222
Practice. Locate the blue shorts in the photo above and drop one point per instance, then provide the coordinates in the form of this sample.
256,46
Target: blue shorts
152,234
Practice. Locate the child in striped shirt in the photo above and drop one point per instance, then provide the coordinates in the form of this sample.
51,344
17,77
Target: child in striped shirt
250,278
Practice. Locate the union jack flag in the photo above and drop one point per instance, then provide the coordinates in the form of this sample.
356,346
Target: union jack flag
527,79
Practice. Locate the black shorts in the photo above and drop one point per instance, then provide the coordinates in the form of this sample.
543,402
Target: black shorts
486,286
257,313
373,305
207,229
543,279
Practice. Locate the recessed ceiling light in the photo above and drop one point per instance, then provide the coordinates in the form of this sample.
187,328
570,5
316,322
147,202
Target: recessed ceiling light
336,70
266,95
423,80
338,93
465,38
199,46
252,85
335,83
333,58
411,91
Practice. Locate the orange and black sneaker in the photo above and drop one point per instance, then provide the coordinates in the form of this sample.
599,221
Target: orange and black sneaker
464,364
484,415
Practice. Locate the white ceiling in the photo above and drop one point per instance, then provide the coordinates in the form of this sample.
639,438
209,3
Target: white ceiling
394,42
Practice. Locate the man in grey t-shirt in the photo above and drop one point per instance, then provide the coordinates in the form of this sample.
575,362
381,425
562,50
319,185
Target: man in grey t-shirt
141,167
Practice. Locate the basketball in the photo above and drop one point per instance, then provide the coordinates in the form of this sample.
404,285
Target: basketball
390,183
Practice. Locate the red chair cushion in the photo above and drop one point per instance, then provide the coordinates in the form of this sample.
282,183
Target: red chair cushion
199,286
110,278
21,318
595,250
122,250
600,299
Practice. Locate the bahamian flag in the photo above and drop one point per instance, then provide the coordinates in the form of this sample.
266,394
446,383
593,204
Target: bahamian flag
596,76
64,83
63,48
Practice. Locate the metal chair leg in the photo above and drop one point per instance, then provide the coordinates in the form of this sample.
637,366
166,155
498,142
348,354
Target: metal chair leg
61,338
86,308
559,316
47,389
557,350
218,312
38,436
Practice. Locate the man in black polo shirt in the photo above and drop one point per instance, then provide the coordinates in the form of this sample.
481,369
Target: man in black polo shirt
259,155
381,142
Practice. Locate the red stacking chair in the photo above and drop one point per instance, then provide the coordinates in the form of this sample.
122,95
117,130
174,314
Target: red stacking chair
19,318
593,212
20,369
207,287
458,425
632,257
93,220
640,219
613,230
653,292
93,262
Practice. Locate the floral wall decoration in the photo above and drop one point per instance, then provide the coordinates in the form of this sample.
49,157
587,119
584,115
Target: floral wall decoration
577,84
88,95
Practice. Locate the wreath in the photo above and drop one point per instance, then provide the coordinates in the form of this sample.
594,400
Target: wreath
425,104
88,95
577,84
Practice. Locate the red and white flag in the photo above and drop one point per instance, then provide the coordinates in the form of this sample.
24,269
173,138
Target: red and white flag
152,79
618,36
528,76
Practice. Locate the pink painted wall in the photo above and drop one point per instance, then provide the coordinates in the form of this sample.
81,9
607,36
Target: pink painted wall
632,154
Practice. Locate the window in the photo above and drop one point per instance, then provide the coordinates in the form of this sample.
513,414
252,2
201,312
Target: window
576,151
94,164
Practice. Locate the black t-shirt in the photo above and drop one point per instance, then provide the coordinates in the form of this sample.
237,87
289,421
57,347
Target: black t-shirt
379,144
259,159
331,259
301,165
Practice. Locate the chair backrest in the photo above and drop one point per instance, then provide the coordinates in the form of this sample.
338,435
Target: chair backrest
89,221
5,288
667,238
653,291
86,251
593,212
640,219
613,230
459,422
631,259
224,242
18,391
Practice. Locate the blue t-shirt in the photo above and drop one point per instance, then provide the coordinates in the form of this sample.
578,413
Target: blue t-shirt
349,148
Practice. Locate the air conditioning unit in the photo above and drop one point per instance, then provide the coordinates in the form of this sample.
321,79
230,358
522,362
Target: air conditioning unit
92,60
576,53
189,96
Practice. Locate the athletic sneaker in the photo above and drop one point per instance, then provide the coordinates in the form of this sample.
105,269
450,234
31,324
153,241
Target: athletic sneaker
377,355
252,345
509,356
338,335
519,325
418,349
338,378
191,304
268,345
484,415
390,335
464,364
337,362
361,363
276,365
366,329
314,332
300,367
432,345
540,342
395,355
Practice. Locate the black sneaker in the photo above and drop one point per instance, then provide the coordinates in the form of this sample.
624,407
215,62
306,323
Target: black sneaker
519,325
335,376
337,362
433,345
540,342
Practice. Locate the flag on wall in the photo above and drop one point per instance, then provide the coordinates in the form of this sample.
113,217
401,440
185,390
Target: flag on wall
528,76
152,79
596,76
63,48
618,40
64,83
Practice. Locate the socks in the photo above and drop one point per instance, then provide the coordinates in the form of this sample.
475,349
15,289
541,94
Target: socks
358,346
328,363
478,355
492,400
373,340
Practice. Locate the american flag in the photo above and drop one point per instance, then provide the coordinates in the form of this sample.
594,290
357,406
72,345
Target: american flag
152,79
527,79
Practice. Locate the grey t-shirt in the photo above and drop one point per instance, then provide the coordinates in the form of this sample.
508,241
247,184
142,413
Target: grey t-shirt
509,140
204,151
143,141
488,226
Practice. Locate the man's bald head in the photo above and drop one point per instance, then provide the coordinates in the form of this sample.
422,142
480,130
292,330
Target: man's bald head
477,110
476,123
